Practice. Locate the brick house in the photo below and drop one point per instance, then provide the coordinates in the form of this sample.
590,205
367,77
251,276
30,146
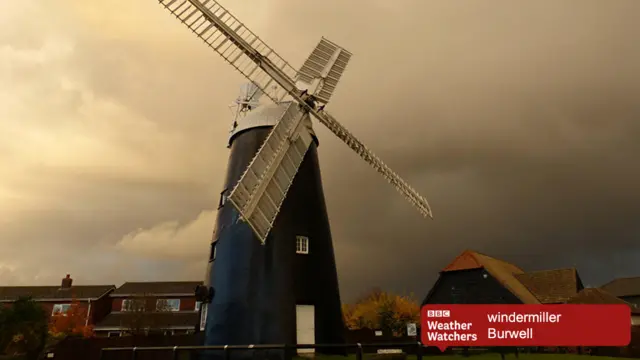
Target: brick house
168,307
94,299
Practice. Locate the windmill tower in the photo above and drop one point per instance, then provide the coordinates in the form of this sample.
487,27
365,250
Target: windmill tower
271,260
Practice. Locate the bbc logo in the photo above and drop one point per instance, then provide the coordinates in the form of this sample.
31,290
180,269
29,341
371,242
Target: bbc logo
438,313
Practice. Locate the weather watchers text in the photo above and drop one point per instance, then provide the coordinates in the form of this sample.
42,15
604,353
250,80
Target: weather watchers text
524,325
450,331
461,331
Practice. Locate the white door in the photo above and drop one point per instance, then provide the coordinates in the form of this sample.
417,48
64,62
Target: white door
305,326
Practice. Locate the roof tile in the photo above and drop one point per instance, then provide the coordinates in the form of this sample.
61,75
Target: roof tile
623,286
157,288
551,286
12,293
599,296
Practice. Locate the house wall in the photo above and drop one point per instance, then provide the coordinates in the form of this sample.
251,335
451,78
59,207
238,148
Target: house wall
48,305
116,303
99,309
186,303
469,287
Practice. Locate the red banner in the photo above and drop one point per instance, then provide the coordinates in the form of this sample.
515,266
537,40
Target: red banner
525,325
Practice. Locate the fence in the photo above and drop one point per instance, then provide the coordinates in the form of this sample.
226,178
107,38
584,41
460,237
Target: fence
288,351
371,336
277,351
77,348
180,347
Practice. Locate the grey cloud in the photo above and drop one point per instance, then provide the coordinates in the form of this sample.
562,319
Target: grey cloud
517,120
524,142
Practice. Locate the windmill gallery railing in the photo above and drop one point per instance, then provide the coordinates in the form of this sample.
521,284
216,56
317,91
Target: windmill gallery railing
225,352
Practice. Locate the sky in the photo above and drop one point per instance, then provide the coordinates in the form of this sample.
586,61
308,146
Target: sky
518,120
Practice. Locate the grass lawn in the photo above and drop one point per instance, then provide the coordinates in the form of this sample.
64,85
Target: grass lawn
485,356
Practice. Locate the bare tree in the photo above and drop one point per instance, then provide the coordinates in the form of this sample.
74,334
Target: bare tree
140,310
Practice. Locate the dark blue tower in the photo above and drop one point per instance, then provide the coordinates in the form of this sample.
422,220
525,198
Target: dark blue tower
285,291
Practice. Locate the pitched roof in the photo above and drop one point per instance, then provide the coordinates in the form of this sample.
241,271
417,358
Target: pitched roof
623,286
155,320
42,293
157,288
594,296
552,286
502,271
599,296
465,261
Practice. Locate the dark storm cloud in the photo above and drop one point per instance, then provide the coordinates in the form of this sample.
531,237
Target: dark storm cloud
518,121
523,135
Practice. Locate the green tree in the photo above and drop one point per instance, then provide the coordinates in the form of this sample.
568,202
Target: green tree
23,328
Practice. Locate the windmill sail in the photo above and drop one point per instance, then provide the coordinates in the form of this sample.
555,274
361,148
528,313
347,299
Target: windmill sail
259,194
262,188
419,201
238,45
323,69
250,95
267,70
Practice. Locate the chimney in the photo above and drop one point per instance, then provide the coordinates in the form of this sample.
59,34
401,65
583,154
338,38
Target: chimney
66,282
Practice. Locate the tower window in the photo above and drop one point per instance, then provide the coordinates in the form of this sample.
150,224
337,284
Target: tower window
212,255
302,245
223,198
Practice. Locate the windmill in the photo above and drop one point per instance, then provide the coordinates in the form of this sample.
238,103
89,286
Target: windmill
247,100
265,292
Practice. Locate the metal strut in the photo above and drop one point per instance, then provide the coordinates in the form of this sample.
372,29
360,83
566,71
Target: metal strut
419,201
238,45
264,67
